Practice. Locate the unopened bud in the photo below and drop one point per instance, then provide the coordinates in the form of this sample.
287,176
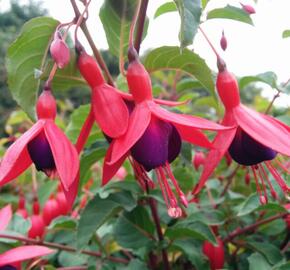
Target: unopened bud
247,178
59,51
263,200
248,8
198,159
223,41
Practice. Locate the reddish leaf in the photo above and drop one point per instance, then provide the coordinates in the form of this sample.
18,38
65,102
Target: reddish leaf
221,144
138,122
17,159
110,170
182,119
5,216
23,253
263,129
110,110
64,154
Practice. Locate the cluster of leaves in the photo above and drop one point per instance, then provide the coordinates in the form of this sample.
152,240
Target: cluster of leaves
116,228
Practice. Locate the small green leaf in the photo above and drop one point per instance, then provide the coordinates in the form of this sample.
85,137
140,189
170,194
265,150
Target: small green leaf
45,190
188,247
97,212
249,205
230,12
165,8
19,224
286,33
271,252
63,222
190,12
269,78
116,19
71,259
134,229
257,261
27,53
166,58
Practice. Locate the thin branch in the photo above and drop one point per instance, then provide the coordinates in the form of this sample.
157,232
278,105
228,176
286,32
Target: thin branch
96,52
61,247
252,227
230,179
140,26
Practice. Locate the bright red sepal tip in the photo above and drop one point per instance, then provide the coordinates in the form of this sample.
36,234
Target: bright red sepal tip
263,128
23,253
17,158
5,216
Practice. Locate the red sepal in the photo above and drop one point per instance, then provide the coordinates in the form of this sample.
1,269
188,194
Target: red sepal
138,122
109,170
110,110
17,159
221,144
64,154
5,216
182,119
23,253
263,129
193,135
72,192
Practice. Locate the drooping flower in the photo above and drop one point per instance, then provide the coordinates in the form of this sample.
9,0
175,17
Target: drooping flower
21,207
45,145
255,141
153,137
248,8
50,210
11,259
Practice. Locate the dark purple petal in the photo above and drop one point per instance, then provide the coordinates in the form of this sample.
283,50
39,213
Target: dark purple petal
40,153
247,151
160,143
8,267
174,145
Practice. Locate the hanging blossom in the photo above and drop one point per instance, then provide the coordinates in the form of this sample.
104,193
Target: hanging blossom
11,259
153,138
255,141
45,145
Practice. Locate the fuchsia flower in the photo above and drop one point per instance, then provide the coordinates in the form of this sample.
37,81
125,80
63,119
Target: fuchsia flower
255,140
47,147
153,137
11,259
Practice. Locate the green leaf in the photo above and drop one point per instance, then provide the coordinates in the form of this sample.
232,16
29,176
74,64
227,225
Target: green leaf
286,33
194,229
230,12
77,119
249,205
188,247
165,8
97,212
134,229
116,18
269,78
71,259
63,222
45,190
168,57
271,252
19,224
257,261
135,264
27,53
190,12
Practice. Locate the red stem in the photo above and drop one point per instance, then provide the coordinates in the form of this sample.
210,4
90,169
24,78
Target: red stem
85,131
252,227
62,247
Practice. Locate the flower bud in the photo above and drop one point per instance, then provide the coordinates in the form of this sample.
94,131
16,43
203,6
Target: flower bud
223,41
247,178
59,51
50,210
198,159
248,8
215,254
